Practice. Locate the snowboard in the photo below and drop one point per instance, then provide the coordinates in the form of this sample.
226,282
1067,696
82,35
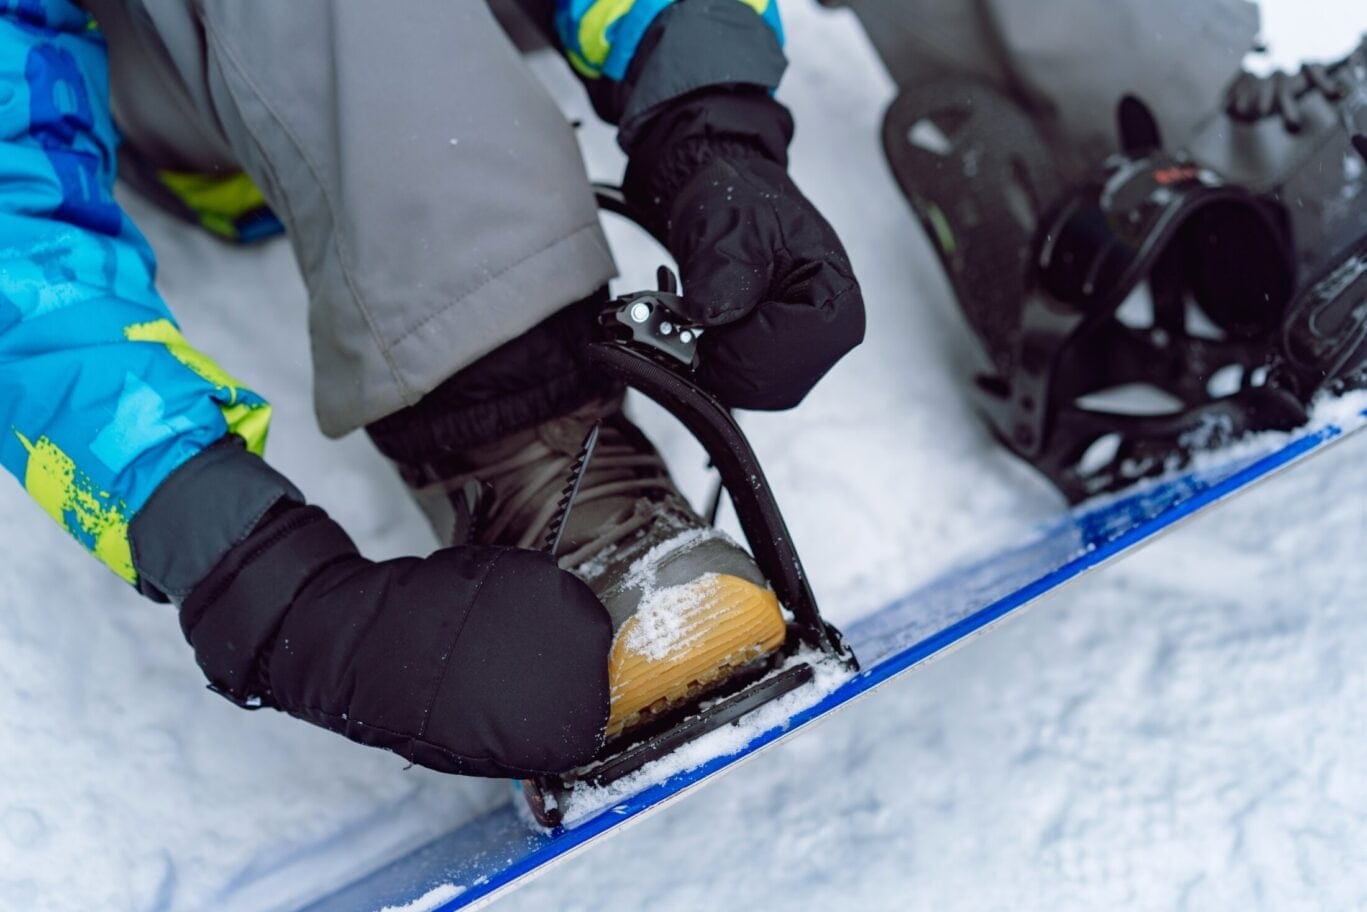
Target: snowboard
490,855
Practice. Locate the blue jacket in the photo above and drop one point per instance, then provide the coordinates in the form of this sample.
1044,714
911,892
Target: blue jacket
600,37
101,397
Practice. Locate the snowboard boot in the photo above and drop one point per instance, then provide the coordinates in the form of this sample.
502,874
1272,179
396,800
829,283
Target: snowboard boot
689,607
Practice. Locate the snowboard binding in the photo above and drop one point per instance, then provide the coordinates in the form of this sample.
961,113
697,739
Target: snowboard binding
650,347
1093,382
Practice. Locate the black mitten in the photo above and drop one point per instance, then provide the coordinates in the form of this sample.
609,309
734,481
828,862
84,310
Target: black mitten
479,661
759,263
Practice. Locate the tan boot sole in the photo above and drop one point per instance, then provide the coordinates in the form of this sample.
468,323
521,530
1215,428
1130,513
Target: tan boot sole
718,624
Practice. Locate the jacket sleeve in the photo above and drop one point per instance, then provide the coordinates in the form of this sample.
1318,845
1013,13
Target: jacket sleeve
101,398
635,55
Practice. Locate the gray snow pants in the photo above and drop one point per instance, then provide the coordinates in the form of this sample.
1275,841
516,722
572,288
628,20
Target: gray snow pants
434,194
1071,61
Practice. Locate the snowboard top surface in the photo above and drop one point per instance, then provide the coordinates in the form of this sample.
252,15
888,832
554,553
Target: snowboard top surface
491,854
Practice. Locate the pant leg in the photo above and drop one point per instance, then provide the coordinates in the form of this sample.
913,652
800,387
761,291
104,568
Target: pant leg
434,194
1080,57
923,40
1071,61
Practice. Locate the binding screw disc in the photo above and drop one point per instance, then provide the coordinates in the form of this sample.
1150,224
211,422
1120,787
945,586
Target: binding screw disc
640,312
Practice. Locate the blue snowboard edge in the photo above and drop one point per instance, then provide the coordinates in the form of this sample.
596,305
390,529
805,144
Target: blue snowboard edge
494,851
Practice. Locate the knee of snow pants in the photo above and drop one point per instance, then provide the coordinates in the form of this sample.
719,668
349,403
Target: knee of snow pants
434,195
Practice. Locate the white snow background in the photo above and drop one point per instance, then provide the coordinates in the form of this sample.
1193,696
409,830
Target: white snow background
1184,730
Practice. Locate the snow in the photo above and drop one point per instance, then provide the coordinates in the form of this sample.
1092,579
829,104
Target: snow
665,618
433,897
662,618
1182,730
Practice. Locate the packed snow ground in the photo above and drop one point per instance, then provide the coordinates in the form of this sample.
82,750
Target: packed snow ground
1184,730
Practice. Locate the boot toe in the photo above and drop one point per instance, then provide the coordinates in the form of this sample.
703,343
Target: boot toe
683,639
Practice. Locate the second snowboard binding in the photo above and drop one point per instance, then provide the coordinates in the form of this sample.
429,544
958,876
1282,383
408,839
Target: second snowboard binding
1173,302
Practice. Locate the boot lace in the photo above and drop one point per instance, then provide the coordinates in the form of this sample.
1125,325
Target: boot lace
528,484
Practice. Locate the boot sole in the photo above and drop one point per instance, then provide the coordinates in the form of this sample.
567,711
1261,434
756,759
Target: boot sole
723,624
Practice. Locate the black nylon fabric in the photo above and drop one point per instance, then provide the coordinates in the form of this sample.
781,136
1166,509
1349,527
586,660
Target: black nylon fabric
683,137
231,618
201,510
477,661
690,45
759,264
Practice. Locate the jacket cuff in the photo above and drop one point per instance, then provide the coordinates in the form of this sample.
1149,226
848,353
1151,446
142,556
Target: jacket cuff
692,45
198,513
